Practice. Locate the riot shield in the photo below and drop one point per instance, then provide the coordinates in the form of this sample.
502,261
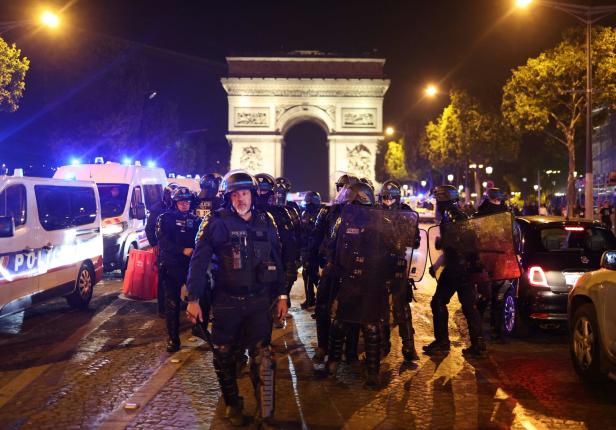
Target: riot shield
434,249
484,244
419,258
371,246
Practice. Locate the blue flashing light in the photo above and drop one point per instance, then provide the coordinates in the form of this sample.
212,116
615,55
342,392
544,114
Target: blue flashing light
127,161
151,163
420,196
75,162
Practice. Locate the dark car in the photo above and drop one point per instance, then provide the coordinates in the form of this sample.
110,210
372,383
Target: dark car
554,252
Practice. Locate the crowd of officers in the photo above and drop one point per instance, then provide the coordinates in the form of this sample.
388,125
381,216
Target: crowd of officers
238,246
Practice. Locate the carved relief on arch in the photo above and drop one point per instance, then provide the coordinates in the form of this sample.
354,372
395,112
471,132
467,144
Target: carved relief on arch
359,160
288,115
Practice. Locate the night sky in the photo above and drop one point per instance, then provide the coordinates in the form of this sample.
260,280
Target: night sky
471,44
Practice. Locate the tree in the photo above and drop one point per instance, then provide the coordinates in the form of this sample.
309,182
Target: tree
395,160
547,94
466,133
13,70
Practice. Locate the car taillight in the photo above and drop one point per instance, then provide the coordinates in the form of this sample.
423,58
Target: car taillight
574,228
537,278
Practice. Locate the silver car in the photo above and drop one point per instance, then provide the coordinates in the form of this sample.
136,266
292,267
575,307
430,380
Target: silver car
592,321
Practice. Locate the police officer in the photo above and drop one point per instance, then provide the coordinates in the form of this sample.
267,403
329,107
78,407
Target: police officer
282,188
494,203
489,292
269,201
358,193
176,231
453,279
320,241
157,210
208,200
243,245
310,264
390,196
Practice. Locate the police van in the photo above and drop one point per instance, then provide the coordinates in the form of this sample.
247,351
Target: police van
50,241
126,191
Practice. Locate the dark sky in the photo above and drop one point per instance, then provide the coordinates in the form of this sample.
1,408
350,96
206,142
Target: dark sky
470,44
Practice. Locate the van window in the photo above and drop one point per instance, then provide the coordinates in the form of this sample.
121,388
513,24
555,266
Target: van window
64,207
153,194
136,198
113,199
14,202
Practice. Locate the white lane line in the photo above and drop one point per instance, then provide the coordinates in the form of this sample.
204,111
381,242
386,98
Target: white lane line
26,377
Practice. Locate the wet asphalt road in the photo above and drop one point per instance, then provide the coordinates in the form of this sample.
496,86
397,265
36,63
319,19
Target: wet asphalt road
62,369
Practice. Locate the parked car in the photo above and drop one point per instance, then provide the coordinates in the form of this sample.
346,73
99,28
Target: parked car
554,252
592,321
50,241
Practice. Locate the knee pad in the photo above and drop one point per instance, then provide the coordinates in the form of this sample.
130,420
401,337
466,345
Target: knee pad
373,347
224,365
337,334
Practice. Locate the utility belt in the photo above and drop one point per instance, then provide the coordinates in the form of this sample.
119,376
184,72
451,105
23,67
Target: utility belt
239,295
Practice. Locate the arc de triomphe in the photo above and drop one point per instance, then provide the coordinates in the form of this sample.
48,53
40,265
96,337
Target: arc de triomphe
269,95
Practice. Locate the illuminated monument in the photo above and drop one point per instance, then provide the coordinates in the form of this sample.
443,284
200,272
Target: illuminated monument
269,95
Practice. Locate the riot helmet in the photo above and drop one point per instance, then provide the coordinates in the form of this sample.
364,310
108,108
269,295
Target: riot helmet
367,181
209,183
495,194
265,183
312,198
182,194
237,180
445,193
281,188
362,193
167,201
390,191
344,180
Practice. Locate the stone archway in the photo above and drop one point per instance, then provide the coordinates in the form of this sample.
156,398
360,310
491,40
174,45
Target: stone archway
268,96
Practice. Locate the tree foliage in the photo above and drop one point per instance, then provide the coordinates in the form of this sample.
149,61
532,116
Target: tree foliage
547,94
465,132
395,160
13,68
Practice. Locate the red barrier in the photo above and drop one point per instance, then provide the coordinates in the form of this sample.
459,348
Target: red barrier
141,277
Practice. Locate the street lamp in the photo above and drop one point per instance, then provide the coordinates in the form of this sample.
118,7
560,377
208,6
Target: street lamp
47,19
389,131
50,19
489,170
431,90
423,183
588,15
450,177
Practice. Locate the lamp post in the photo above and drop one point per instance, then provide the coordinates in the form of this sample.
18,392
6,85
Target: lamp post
47,19
588,15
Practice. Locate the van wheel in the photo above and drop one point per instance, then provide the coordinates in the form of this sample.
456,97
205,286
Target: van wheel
80,297
132,246
585,343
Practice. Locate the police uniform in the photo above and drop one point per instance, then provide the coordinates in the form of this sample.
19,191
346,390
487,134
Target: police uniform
175,231
247,271
310,264
453,279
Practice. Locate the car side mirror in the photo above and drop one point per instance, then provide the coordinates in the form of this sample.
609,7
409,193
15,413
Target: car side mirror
608,260
138,212
7,226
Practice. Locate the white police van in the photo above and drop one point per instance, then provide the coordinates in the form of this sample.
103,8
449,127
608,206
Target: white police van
50,241
125,192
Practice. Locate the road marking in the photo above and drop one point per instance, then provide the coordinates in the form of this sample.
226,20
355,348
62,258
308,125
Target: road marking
26,377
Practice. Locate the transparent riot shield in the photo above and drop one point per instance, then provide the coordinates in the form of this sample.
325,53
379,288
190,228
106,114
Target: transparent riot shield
484,244
371,246
418,258
434,249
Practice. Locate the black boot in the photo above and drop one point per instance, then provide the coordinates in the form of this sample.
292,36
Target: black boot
172,313
407,334
477,349
224,364
372,339
437,347
173,344
337,334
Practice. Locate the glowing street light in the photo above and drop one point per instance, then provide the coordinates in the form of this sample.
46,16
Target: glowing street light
389,131
423,183
431,90
49,19
450,177
489,170
523,3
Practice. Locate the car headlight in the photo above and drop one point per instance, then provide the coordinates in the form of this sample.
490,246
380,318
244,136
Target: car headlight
111,229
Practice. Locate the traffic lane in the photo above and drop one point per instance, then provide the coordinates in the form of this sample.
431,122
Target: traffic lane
91,374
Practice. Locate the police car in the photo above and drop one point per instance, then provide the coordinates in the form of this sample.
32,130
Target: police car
125,191
50,241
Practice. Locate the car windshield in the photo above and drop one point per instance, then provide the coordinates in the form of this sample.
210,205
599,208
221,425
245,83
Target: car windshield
113,199
577,238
